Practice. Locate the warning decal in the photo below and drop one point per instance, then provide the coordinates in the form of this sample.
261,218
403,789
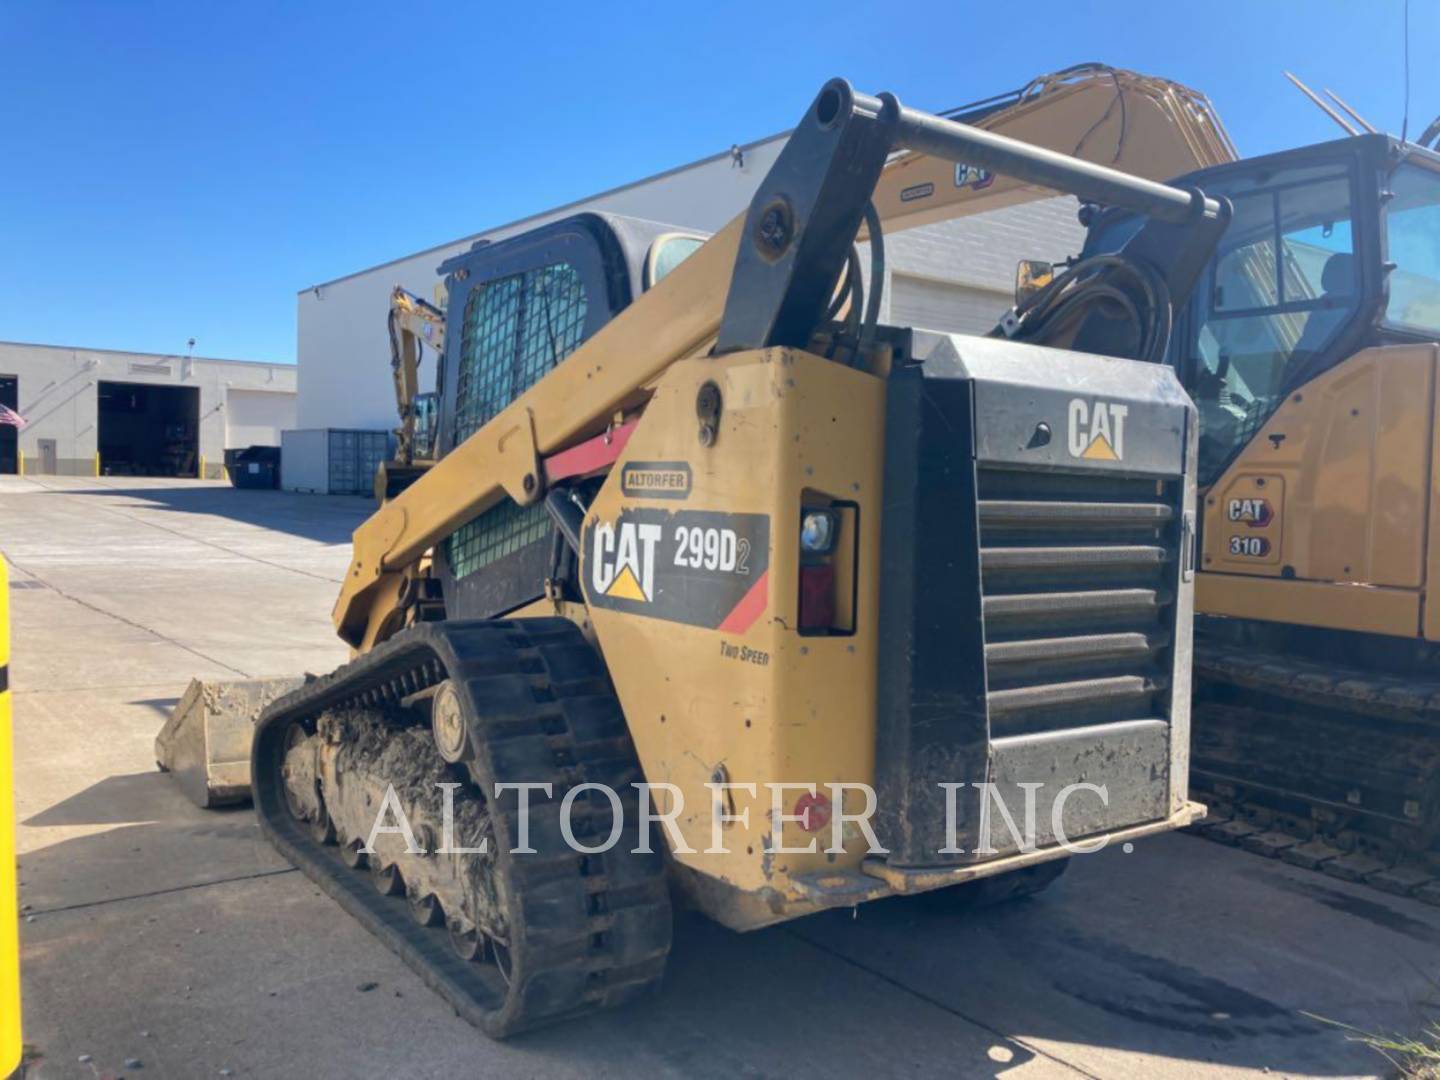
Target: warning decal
699,567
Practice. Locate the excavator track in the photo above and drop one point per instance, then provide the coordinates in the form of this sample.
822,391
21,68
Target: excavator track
538,937
1322,766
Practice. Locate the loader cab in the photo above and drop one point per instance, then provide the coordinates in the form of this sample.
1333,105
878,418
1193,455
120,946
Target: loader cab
1332,248
516,309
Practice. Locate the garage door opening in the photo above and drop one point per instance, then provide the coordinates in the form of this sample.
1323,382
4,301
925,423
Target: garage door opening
148,430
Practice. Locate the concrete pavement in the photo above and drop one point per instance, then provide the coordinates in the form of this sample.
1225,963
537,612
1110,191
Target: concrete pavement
159,932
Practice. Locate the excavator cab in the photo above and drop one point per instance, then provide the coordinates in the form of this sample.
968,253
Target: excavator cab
1331,249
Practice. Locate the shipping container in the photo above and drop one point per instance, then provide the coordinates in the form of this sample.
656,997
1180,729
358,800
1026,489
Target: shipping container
332,461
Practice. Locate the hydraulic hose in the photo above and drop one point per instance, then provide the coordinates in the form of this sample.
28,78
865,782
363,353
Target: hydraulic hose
1107,285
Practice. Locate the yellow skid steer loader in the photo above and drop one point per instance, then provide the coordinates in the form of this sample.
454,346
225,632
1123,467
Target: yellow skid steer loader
717,587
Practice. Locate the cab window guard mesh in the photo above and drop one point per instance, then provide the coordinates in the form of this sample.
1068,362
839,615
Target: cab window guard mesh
515,329
502,530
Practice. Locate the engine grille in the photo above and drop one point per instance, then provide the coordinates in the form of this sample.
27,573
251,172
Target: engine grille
1077,573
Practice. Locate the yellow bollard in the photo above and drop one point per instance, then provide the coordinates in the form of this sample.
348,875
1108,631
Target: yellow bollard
9,901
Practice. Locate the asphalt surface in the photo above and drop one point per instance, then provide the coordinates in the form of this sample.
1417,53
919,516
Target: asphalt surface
176,937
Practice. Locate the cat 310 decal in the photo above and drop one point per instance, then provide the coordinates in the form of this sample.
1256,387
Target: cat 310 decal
698,567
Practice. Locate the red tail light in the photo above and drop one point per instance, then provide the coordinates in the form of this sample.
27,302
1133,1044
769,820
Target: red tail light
817,596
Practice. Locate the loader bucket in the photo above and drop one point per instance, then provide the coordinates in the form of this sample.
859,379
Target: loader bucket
205,744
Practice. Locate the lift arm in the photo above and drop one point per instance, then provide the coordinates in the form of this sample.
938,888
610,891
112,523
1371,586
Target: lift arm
731,292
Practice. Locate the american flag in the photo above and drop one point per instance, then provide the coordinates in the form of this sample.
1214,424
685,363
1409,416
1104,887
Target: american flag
9,416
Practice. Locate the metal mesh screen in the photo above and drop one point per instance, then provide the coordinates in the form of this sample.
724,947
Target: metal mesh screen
515,330
500,531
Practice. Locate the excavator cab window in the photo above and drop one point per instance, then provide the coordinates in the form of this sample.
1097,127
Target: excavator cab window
1283,284
426,406
1412,235
1295,285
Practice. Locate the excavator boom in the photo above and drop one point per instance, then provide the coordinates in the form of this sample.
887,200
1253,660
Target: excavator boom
1138,124
413,324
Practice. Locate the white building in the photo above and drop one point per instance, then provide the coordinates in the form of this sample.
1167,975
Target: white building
96,412
955,276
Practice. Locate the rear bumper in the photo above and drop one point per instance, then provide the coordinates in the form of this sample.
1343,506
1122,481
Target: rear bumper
900,880
877,879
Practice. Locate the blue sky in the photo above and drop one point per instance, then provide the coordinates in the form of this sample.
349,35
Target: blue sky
175,170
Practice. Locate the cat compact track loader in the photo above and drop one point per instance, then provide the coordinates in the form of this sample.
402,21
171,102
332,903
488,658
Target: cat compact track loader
1312,350
1135,123
703,583
838,592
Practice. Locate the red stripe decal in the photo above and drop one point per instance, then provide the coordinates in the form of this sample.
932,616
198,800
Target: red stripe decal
751,606
589,456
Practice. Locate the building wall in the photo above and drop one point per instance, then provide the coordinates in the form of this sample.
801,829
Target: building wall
928,304
256,417
981,251
58,399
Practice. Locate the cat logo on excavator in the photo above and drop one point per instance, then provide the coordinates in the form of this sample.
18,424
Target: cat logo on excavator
1097,432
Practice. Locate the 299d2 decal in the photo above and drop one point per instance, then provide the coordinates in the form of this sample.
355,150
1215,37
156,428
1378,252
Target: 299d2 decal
699,567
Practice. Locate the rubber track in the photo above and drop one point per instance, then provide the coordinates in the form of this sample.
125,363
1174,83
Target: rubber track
1388,736
586,931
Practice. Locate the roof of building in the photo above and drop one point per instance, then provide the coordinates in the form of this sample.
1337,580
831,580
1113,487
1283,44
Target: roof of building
147,355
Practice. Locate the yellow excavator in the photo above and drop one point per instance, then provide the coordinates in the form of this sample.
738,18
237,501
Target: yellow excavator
705,584
1312,349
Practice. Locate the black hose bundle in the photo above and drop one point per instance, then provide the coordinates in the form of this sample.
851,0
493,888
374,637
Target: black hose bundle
858,333
1109,286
